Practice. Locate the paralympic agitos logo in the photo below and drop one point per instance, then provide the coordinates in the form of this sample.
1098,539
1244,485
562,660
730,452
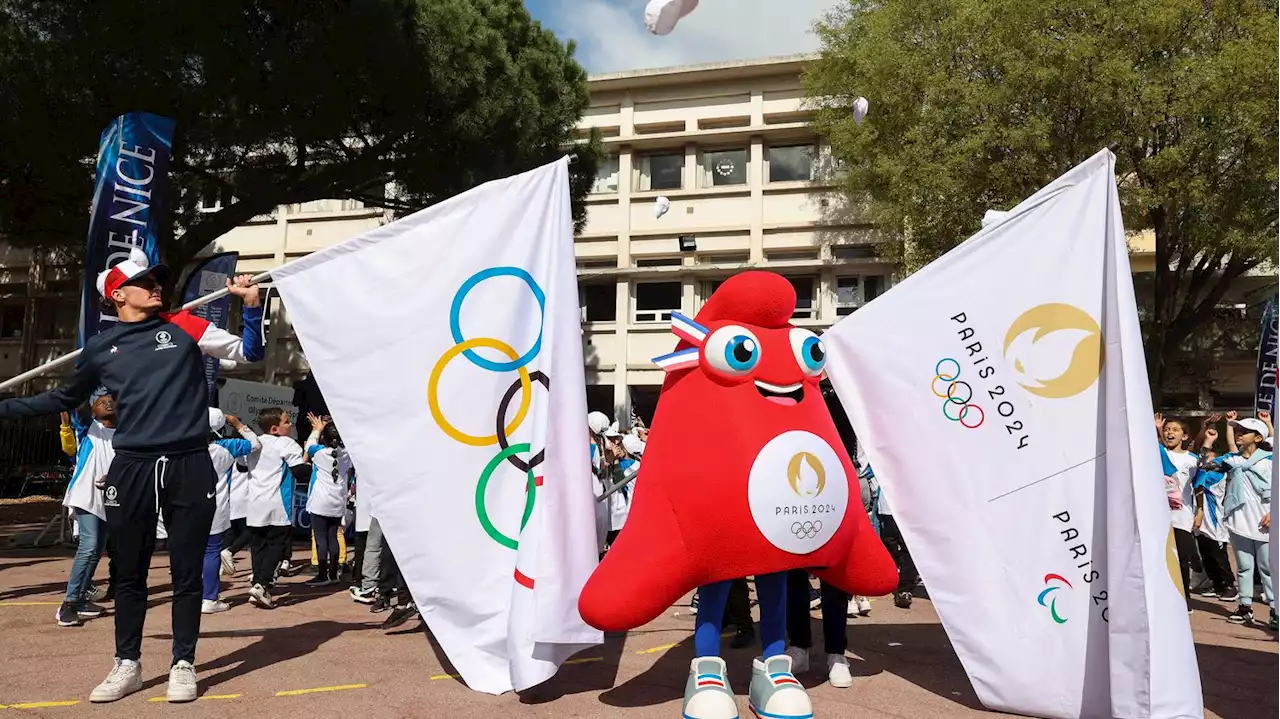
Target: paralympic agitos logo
1048,599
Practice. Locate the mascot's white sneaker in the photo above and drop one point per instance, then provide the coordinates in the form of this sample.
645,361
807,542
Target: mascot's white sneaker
775,692
707,694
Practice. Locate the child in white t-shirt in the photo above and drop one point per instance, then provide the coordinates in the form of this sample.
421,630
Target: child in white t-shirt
326,498
1247,510
1179,468
223,453
270,514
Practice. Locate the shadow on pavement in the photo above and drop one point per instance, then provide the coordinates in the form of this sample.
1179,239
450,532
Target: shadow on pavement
590,670
32,590
274,645
1239,683
920,654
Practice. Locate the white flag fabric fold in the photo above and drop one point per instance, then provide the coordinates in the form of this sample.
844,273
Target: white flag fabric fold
448,347
1016,362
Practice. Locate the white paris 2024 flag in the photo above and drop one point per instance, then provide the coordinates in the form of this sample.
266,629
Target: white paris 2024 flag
448,346
1002,396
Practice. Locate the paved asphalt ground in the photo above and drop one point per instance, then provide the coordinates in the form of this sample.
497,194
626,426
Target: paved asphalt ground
319,654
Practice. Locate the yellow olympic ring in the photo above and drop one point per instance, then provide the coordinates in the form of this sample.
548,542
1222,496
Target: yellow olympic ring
433,385
934,386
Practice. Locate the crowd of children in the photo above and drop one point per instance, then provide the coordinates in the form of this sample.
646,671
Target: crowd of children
1218,499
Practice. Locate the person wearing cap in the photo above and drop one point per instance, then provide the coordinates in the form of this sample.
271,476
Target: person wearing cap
1247,510
223,453
597,426
150,361
93,457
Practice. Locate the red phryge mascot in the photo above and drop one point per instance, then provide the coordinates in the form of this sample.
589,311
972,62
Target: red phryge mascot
744,475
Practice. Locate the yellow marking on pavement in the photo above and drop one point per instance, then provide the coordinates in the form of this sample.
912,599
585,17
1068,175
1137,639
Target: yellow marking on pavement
207,696
665,647
662,648
41,705
584,660
30,604
339,688
445,676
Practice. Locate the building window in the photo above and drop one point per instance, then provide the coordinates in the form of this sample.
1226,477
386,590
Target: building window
655,301
806,297
658,262
853,292
791,164
61,319
598,302
661,172
606,175
709,288
213,199
11,319
724,167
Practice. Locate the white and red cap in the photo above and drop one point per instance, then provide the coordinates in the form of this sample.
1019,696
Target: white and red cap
131,269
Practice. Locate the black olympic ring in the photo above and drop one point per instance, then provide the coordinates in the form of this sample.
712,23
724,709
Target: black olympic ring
515,461
806,530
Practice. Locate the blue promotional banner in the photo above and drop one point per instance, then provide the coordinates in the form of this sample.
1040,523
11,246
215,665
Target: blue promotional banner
209,276
129,200
1265,399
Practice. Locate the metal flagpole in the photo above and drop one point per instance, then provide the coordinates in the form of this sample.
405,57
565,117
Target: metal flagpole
51,364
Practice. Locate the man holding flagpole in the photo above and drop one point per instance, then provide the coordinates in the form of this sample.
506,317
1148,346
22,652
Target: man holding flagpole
151,362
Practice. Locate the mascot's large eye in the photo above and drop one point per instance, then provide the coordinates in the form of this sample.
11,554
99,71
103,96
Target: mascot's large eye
811,353
733,350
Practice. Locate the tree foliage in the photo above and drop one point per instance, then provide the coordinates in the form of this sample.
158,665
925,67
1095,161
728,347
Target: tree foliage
279,102
975,104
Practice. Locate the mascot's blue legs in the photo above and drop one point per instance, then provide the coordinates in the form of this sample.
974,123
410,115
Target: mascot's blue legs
774,689
712,600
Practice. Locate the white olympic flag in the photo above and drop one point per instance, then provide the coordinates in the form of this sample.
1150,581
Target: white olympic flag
1036,510
449,349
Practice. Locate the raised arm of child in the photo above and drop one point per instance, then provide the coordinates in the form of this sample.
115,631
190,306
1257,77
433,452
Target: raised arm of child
1231,432
67,435
1265,416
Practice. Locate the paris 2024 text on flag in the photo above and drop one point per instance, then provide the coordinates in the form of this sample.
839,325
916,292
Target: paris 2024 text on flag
1036,513
449,348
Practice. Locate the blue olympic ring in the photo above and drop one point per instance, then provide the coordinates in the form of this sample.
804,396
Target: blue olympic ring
455,311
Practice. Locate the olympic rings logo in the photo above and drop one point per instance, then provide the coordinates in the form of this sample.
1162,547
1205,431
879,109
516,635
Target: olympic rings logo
952,395
503,429
806,530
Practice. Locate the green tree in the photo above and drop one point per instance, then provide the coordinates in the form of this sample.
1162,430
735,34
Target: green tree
975,104
279,102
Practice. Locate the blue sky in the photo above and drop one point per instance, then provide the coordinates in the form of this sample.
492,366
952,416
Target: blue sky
611,34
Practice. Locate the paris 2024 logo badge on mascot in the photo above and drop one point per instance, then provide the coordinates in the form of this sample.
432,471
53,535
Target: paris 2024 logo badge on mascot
744,475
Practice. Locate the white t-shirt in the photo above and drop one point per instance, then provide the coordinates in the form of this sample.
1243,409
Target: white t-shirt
93,459
348,469
327,494
239,490
620,501
1244,520
1185,463
271,482
224,453
1212,525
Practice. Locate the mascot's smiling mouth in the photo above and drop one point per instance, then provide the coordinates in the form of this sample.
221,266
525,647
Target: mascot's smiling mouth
786,395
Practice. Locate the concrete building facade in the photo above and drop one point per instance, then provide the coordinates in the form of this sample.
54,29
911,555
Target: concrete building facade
728,146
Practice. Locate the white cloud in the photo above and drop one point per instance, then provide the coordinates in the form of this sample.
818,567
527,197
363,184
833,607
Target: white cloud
611,34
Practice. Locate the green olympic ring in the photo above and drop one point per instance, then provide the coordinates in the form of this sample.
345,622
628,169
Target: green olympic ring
530,495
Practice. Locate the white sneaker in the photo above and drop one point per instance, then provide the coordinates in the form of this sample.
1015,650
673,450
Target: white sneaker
228,563
864,606
125,678
799,659
213,606
838,671
182,682
260,596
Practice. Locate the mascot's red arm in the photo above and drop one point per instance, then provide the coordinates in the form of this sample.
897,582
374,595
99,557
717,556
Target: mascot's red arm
743,473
